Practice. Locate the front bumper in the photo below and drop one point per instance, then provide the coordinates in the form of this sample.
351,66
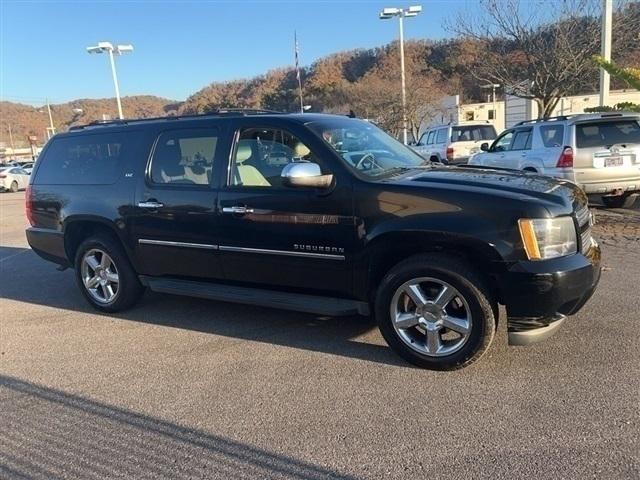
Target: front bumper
539,295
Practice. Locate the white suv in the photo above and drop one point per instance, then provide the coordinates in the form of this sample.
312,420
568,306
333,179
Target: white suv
600,152
453,143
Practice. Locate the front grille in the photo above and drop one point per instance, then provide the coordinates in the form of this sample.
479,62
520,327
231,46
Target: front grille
583,216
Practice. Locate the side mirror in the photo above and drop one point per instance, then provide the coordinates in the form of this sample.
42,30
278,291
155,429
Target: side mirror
305,174
484,147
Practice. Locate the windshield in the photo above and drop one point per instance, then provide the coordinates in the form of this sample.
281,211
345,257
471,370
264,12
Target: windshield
366,148
473,133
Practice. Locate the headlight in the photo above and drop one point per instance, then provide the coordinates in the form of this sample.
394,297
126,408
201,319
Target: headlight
545,238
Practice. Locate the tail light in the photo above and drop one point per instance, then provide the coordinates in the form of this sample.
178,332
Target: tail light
449,153
566,158
28,206
2,175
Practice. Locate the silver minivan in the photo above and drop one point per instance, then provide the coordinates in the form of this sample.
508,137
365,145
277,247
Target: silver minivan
600,152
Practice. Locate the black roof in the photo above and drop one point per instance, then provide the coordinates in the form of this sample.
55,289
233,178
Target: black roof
231,112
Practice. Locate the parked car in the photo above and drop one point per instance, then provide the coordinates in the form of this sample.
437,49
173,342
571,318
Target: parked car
13,179
599,152
27,167
454,143
317,213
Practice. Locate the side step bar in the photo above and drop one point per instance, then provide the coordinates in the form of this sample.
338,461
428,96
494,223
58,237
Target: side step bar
254,296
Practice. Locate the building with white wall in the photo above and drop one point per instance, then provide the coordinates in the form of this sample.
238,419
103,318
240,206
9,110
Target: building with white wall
506,113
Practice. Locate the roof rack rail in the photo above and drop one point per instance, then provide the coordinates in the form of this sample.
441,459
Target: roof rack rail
213,113
559,118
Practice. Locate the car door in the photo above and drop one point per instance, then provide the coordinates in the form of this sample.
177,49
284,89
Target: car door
517,156
278,236
497,154
175,221
421,146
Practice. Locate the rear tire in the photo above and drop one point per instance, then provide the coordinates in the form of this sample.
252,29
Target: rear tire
436,312
14,187
105,276
620,201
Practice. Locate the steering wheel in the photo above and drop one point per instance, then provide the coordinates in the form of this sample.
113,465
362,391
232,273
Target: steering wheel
367,157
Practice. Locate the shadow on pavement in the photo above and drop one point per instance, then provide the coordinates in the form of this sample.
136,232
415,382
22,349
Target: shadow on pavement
27,278
48,433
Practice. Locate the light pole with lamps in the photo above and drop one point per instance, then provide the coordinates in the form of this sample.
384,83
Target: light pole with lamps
401,13
493,87
107,47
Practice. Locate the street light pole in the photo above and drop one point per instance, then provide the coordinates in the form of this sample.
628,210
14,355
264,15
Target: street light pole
606,50
115,83
403,81
107,47
401,13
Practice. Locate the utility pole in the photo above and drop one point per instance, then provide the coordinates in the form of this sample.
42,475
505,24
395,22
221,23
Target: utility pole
51,131
11,142
606,50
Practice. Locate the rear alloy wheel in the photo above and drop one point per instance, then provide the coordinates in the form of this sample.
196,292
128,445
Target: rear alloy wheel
14,186
436,312
105,275
620,201
100,276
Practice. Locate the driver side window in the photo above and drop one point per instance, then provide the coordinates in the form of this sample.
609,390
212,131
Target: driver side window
503,142
261,154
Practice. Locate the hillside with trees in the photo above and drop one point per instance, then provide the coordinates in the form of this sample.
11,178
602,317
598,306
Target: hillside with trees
542,55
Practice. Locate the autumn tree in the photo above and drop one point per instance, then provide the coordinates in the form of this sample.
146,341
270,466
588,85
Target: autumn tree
543,50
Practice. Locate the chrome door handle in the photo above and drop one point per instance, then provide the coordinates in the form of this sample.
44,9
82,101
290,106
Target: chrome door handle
150,205
237,210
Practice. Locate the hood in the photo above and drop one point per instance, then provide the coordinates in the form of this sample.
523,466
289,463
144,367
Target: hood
502,182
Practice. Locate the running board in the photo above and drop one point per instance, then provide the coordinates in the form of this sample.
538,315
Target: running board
254,296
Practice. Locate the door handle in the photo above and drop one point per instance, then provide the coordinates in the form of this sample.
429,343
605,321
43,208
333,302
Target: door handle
237,210
150,204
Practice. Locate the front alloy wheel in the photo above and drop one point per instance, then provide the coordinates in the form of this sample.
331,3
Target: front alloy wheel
431,317
435,310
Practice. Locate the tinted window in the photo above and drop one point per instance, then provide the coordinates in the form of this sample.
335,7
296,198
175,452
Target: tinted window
607,133
83,160
442,135
184,157
521,140
262,153
552,135
473,133
430,137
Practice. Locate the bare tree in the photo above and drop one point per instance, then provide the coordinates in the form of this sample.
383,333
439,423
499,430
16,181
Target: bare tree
542,50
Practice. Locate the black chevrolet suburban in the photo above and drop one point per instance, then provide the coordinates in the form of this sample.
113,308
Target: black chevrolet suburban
317,213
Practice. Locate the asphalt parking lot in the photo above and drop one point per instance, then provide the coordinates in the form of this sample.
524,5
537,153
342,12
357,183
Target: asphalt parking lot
188,388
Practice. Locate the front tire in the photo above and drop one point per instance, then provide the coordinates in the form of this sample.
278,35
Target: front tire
14,187
436,312
105,276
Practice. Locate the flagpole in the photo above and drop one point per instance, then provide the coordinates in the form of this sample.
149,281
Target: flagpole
295,41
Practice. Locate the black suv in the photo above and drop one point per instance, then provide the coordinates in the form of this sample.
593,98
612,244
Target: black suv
318,213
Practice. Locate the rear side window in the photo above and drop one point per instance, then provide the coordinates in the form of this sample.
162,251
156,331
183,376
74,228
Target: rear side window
522,140
607,133
83,160
430,137
184,156
473,133
552,135
442,135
